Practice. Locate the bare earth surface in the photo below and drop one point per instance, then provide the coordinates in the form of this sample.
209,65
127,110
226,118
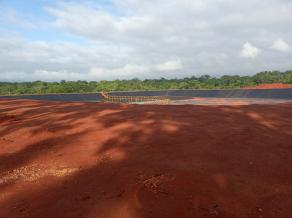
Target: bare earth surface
60,159
271,86
225,101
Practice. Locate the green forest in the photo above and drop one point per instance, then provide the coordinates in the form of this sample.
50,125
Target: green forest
202,82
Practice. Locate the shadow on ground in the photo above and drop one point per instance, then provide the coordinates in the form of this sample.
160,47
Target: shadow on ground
112,160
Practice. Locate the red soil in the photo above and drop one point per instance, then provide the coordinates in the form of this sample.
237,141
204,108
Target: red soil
62,159
228,101
271,86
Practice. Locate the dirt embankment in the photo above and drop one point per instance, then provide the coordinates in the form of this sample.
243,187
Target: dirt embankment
271,86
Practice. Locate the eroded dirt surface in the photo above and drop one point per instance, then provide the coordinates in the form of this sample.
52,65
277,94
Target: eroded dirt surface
271,86
100,160
227,101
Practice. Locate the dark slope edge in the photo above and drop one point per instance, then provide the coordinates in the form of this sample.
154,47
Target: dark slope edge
231,93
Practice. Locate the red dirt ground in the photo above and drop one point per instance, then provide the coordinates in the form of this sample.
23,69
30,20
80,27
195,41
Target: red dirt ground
271,86
227,101
61,159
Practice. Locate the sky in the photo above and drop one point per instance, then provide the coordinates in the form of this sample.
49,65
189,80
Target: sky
147,39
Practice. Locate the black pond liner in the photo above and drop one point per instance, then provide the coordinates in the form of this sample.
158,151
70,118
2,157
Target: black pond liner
244,94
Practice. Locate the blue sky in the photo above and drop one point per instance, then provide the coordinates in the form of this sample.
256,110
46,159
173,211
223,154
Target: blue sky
34,12
122,39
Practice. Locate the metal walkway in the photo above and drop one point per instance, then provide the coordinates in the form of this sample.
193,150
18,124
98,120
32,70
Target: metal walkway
135,99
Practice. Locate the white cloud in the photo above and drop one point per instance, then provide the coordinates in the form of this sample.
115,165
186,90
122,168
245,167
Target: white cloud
249,51
169,66
15,18
96,24
135,70
147,39
95,74
42,75
280,45
210,60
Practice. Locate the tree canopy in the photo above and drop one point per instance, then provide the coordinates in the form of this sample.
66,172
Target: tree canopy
202,82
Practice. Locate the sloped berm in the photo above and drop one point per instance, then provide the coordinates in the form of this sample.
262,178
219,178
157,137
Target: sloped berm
244,94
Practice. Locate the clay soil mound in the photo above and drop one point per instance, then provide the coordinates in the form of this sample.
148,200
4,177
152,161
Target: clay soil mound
76,159
271,86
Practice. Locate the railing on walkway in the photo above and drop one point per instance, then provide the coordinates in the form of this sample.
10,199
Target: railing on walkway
135,99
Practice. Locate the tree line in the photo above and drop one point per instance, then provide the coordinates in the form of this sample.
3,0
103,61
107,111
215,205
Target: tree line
202,82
